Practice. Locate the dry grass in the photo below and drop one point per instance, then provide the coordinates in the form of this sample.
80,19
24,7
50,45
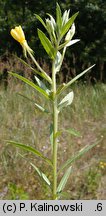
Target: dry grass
21,122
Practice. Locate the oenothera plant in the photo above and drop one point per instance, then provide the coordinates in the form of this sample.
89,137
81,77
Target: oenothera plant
59,37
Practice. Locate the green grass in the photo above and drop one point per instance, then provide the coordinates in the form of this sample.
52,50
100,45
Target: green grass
20,121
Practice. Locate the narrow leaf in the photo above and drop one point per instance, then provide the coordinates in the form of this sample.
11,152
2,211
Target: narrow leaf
58,17
37,105
26,97
67,26
42,85
41,74
64,180
73,132
58,62
70,43
41,174
78,155
65,17
41,20
67,44
46,44
66,101
41,108
29,149
75,78
30,84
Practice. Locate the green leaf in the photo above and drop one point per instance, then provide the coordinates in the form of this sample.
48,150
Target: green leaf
52,20
67,26
60,87
70,43
46,44
42,85
29,149
64,180
67,44
26,97
65,17
66,101
41,108
78,155
37,105
58,18
41,174
41,20
74,79
73,132
30,84
51,25
58,62
41,74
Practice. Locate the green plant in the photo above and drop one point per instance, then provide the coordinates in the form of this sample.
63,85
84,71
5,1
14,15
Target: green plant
16,192
60,34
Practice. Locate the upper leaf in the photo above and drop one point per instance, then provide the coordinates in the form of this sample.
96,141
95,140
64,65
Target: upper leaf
58,61
41,20
67,26
58,19
67,44
46,44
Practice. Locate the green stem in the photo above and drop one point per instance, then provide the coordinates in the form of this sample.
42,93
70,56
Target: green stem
55,129
39,67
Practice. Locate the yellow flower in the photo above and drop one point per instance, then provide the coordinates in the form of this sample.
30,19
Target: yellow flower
18,34
102,165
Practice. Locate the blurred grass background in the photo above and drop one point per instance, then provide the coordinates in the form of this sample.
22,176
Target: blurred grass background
20,121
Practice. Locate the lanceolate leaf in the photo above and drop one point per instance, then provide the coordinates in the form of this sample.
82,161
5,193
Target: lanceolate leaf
41,74
75,78
78,155
41,20
73,132
41,108
70,43
41,174
37,105
66,44
30,84
58,17
29,149
64,180
42,85
58,62
67,26
46,44
67,100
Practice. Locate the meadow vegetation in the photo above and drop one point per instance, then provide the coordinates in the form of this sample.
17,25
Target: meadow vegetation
21,121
